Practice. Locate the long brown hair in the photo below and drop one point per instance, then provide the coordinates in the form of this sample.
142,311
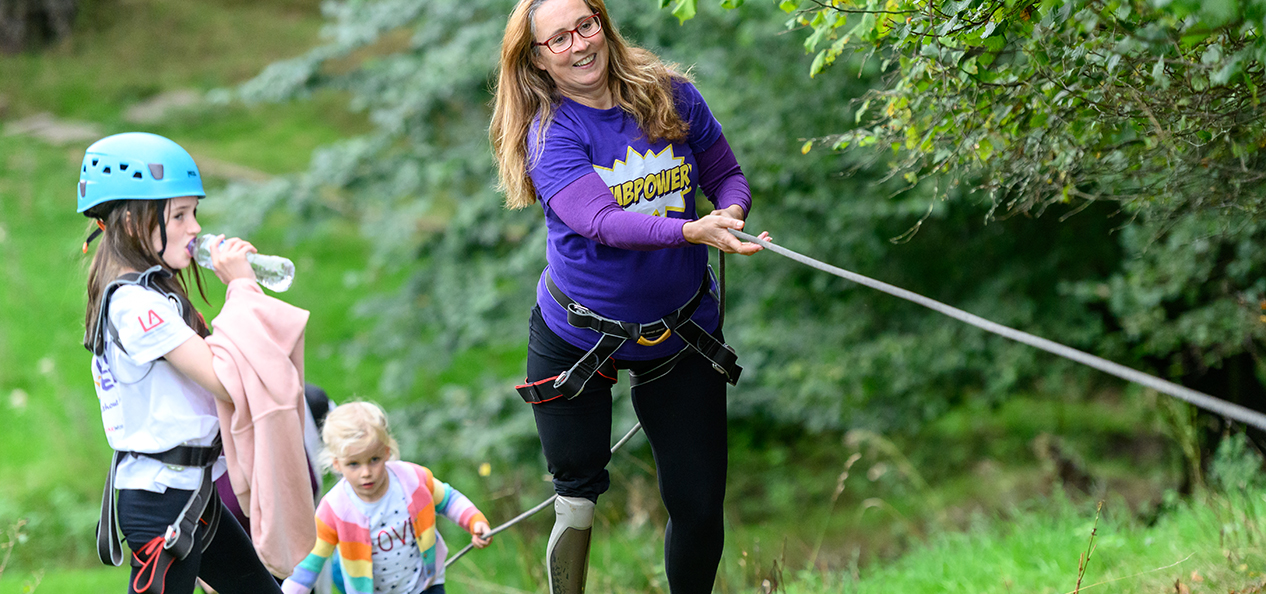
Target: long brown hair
126,246
641,84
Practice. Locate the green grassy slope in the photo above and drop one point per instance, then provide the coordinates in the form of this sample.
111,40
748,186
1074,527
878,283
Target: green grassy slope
788,524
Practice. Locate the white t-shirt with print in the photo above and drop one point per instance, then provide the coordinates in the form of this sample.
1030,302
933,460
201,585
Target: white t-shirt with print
395,556
146,404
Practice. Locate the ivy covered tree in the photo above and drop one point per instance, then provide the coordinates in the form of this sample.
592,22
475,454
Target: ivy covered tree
1152,104
1151,108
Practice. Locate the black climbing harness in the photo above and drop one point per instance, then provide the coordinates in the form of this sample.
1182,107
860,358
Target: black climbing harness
203,505
615,333
96,342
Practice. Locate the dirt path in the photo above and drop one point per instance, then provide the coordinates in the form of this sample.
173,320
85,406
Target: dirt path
60,132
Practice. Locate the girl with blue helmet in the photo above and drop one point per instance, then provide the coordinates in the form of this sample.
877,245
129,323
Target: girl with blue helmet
153,373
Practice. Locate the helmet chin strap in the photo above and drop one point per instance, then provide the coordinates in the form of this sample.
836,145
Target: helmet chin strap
162,228
95,233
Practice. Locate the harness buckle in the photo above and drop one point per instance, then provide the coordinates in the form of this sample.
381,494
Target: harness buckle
662,337
562,379
171,535
578,309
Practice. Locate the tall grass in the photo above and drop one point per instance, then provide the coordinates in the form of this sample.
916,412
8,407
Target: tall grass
1192,548
1039,552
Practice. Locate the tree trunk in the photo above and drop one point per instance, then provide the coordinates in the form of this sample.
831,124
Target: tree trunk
25,24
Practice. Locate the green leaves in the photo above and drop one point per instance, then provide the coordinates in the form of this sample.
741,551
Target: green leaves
1071,75
1151,106
685,9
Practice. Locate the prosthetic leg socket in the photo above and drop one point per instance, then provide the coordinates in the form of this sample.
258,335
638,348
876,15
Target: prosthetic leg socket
567,554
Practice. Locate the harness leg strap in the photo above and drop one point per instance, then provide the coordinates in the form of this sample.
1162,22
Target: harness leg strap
567,554
152,560
179,537
211,518
572,382
722,357
109,547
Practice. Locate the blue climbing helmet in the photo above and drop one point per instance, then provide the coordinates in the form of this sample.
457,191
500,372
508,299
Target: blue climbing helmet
136,166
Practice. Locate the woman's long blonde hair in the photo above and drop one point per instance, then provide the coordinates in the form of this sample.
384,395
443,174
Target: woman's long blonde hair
128,227
641,84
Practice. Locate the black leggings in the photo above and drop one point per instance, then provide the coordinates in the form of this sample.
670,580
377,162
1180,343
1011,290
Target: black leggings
683,415
229,564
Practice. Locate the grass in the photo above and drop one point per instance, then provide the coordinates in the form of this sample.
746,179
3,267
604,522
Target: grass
49,407
1040,553
963,506
125,51
68,581
1213,546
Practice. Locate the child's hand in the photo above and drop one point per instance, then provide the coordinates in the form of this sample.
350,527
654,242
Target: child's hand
477,533
229,261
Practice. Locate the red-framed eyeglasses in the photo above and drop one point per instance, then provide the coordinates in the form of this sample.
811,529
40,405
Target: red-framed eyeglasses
563,40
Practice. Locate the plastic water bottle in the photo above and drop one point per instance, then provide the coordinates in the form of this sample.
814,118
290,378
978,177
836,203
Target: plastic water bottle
273,272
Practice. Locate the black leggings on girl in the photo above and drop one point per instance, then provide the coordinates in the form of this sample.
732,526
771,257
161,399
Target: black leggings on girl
229,564
683,415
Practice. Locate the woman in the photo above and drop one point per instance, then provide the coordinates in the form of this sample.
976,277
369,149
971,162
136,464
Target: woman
614,144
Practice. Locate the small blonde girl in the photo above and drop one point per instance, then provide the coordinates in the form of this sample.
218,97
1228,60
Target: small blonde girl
380,517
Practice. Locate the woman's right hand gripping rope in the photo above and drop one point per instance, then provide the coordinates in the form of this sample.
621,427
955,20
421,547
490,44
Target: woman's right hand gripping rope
713,230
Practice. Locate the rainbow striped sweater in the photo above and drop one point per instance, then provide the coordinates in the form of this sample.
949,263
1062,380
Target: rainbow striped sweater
343,532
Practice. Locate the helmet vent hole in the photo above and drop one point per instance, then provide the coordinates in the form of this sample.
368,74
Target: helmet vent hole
156,170
106,170
122,166
137,175
85,169
95,161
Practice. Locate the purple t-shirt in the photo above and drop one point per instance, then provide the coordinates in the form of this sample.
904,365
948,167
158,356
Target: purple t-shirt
655,179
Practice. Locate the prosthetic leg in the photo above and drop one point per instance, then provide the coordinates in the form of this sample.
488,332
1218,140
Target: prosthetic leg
567,554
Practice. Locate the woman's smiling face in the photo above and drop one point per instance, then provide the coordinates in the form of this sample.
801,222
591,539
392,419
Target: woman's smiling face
580,71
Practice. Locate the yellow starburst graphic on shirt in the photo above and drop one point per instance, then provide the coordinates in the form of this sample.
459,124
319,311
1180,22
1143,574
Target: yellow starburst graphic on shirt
653,183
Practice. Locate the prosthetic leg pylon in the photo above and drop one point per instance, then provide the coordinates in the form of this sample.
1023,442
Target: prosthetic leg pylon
567,554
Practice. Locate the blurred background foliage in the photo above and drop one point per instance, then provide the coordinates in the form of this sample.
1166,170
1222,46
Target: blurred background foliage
352,136
1146,112
1153,280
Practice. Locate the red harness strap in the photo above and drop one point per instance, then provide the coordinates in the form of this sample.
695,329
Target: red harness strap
545,390
153,560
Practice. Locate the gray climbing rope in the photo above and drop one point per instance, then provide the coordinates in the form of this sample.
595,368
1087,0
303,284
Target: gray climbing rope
1200,399
540,506
1215,405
